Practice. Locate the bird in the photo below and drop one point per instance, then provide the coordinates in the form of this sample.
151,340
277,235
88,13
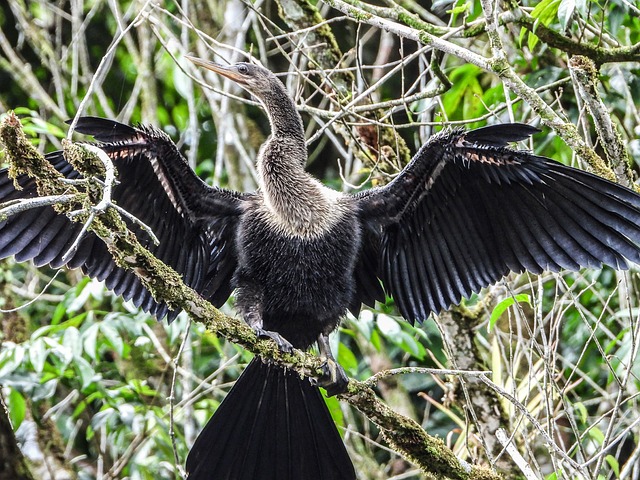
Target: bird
468,209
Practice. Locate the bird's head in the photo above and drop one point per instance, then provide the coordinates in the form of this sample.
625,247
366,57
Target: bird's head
270,91
255,79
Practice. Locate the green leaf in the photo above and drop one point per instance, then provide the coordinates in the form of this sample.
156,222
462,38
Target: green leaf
38,354
82,406
54,346
532,41
465,87
141,388
364,324
501,307
459,9
10,359
613,463
347,359
58,314
375,340
99,419
523,32
46,390
388,326
336,411
48,330
17,408
72,341
546,11
113,336
89,341
410,345
41,126
25,111
596,434
82,294
565,12
582,410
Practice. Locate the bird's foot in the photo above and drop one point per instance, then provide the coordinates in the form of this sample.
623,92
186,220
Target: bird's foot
283,344
333,378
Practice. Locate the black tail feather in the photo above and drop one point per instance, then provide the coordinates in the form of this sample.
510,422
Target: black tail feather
273,425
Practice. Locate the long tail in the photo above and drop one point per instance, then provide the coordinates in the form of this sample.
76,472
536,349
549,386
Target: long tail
273,425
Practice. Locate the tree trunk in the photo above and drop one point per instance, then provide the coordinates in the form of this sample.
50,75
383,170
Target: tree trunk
13,465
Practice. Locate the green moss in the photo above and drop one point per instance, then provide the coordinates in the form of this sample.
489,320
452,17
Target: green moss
82,161
424,38
484,473
414,21
24,158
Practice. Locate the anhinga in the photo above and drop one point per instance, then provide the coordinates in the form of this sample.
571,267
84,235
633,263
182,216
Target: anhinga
466,211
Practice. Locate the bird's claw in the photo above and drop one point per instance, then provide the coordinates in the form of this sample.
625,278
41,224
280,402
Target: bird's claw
333,378
283,344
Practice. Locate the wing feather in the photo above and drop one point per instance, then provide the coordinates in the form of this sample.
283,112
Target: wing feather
587,230
448,275
50,241
85,250
468,209
156,185
560,250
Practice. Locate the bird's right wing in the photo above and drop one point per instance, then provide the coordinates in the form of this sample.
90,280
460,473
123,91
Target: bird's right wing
468,209
194,223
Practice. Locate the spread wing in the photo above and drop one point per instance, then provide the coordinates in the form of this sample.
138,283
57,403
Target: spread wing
195,223
468,210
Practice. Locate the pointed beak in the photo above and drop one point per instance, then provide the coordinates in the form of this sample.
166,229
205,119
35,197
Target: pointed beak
226,71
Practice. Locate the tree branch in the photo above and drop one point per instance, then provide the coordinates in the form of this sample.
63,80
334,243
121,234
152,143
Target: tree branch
585,75
598,55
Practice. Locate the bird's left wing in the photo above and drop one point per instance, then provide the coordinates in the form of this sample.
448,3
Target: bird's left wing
468,209
194,223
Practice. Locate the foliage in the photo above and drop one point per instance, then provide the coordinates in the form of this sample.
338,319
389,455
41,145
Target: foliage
125,396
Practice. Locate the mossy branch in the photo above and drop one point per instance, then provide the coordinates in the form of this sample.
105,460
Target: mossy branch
404,434
555,39
585,77
597,54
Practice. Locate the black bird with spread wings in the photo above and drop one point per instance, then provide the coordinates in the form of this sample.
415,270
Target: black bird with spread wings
466,211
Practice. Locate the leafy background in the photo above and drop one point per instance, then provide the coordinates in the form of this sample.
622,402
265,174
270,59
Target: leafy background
96,389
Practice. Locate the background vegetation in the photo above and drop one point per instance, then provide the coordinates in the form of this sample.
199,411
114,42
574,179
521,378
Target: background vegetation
95,389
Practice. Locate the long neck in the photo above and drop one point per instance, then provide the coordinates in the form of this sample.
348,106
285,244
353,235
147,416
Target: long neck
286,124
295,198
284,154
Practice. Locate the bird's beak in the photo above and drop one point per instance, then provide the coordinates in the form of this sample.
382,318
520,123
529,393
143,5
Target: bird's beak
225,71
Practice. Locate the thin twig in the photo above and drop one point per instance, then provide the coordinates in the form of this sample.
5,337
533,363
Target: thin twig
372,380
172,433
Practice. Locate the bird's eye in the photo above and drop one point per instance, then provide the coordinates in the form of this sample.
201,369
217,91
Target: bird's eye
243,69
